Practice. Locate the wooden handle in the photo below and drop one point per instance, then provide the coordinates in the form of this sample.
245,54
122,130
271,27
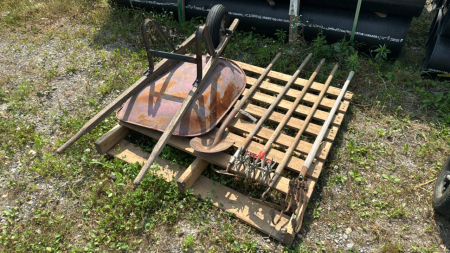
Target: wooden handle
236,109
257,83
274,104
320,136
293,107
294,144
160,68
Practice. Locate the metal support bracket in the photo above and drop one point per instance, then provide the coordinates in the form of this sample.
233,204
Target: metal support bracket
201,30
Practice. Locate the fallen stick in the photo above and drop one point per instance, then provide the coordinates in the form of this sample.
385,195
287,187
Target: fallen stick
420,185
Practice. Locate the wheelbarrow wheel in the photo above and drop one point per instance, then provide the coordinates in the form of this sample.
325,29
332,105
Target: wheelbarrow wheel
441,194
217,21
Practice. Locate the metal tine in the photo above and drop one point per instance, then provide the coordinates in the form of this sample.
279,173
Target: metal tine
266,170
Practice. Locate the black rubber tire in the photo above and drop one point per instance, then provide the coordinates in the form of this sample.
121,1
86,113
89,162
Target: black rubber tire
217,21
441,194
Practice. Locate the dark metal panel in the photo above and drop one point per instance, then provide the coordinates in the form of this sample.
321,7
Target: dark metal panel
336,23
371,30
445,26
408,8
437,56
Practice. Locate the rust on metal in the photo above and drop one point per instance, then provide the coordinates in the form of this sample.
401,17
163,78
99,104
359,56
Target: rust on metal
156,104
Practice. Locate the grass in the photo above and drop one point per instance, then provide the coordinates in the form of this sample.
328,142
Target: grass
67,59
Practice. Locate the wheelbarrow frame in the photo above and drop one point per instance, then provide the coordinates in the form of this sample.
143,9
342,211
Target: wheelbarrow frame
175,56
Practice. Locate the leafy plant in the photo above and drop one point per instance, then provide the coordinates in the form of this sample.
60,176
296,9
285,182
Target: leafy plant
188,242
355,175
381,53
391,178
321,49
281,35
317,211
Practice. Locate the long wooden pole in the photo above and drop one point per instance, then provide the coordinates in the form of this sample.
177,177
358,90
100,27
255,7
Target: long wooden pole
267,113
294,144
160,68
308,161
291,110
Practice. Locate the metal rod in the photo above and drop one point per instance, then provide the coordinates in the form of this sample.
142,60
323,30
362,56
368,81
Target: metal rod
172,56
268,112
198,52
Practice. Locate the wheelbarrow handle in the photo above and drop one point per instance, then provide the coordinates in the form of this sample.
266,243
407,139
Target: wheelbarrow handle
210,66
160,68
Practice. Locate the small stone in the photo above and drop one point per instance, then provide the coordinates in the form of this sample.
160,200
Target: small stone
112,176
267,240
350,245
4,195
336,240
299,236
345,236
32,152
348,230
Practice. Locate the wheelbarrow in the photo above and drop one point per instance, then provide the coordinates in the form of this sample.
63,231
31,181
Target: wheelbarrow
191,97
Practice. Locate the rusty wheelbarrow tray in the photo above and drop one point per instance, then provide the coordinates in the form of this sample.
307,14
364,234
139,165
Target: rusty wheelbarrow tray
156,104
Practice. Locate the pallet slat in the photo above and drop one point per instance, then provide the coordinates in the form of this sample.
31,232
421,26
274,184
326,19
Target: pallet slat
285,78
294,123
191,174
220,159
300,110
243,126
292,93
294,163
110,139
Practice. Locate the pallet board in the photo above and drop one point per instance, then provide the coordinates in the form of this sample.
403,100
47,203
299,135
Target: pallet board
249,211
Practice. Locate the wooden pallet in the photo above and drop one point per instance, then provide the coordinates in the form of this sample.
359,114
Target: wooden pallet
253,213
